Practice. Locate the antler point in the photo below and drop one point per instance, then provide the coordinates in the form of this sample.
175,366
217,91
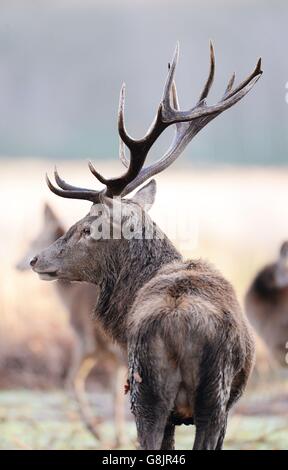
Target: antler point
258,67
48,181
122,92
212,51
177,49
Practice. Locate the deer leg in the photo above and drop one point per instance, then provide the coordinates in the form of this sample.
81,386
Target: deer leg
168,442
154,383
119,402
76,360
212,399
210,434
152,398
88,363
222,435
211,430
152,395
151,423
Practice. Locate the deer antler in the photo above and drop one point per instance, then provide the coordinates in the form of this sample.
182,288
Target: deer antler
187,123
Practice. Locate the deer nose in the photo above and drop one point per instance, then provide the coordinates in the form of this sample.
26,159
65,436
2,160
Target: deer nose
33,261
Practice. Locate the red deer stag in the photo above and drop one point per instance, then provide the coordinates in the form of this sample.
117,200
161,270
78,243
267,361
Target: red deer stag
189,346
92,346
266,305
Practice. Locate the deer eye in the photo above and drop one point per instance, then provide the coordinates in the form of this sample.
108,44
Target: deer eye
86,231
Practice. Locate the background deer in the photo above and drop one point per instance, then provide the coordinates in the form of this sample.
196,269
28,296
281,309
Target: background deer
266,305
190,350
92,346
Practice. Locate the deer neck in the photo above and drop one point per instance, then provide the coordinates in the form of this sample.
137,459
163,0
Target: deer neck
136,263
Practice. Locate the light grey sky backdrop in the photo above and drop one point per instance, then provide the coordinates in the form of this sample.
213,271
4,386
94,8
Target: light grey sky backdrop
62,64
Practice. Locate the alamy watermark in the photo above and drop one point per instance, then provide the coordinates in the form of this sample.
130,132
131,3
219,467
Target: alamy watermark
121,220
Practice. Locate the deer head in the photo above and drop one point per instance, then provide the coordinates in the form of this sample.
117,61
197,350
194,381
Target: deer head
80,254
51,230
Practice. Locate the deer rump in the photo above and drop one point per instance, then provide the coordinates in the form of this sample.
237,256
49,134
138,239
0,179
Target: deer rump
188,344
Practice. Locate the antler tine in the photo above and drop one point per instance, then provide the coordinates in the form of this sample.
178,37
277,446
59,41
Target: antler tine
167,92
210,78
138,150
230,85
96,174
174,94
77,193
257,72
122,153
121,124
62,184
175,100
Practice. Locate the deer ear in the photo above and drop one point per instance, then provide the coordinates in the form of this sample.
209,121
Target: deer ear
49,214
52,222
145,197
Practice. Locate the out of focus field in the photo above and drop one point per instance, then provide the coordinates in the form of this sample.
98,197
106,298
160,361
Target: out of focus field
235,217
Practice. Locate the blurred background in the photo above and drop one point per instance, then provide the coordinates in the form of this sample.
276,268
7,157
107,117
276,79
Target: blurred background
62,64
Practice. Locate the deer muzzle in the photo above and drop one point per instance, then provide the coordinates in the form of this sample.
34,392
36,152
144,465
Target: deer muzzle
46,274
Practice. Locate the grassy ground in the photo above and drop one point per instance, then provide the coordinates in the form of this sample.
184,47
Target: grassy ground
50,420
